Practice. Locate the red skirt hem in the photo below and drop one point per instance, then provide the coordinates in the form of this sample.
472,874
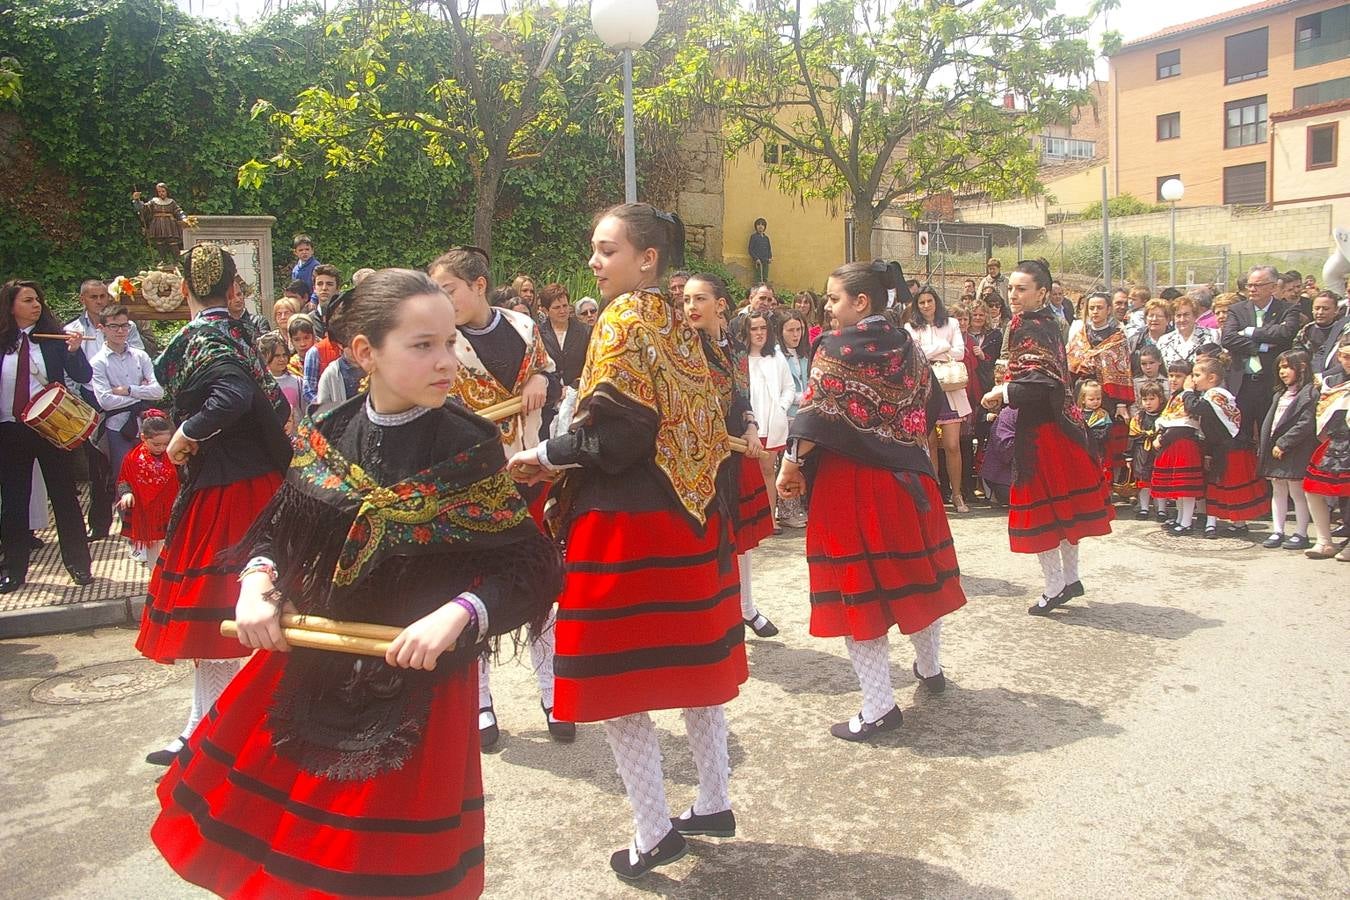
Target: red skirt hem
649,617
754,517
888,563
189,594
1240,495
1179,471
1324,481
1065,499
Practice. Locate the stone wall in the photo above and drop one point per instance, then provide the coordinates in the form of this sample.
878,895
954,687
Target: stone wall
700,202
1242,229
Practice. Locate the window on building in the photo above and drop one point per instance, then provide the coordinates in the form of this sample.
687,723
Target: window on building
1169,64
776,153
1169,126
1244,122
771,154
1322,146
1322,92
1056,149
1245,55
1322,37
1157,190
1245,184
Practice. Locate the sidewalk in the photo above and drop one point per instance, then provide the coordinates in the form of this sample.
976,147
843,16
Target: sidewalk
50,602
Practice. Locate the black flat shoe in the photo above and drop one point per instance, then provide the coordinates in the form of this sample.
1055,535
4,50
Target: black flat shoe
1162,516
488,737
1167,524
9,585
1047,605
1141,514
1073,590
1211,532
865,731
719,824
761,626
35,542
672,847
81,577
1297,542
935,684
1341,531
1274,542
95,536
164,756
562,732
1232,528
1181,530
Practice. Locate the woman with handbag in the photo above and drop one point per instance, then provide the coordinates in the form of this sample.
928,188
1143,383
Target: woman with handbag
28,363
939,337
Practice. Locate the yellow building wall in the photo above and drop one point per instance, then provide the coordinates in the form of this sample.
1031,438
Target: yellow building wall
1067,193
1293,183
807,236
1199,95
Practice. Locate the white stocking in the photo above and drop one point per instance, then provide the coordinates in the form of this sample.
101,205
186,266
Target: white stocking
210,679
1144,494
1279,504
1052,567
541,656
1321,516
1300,500
485,720
872,664
707,728
152,552
926,648
1068,554
1185,511
638,757
748,610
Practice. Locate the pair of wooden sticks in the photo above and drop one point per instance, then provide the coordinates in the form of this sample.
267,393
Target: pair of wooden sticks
508,408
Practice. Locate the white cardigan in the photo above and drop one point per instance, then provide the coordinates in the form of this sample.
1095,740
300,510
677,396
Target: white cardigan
772,392
941,345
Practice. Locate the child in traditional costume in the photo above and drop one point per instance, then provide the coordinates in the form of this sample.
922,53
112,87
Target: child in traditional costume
705,298
231,438
1288,438
1328,475
1179,469
1098,351
649,617
1057,496
1145,438
147,487
1234,492
501,356
1098,423
878,546
321,773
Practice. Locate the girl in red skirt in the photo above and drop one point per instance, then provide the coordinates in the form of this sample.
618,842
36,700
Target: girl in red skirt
147,485
231,438
741,474
878,546
1234,492
1057,496
1329,472
322,774
1179,471
649,617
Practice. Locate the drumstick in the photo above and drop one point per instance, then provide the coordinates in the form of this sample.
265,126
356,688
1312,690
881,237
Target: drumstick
321,640
333,626
63,337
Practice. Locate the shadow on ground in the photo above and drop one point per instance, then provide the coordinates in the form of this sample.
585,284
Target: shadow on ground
754,870
1165,622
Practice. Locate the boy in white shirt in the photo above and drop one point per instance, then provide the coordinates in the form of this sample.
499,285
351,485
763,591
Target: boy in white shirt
124,383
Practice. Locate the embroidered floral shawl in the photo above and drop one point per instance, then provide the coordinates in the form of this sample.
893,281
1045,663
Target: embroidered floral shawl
210,338
1107,361
475,386
1225,408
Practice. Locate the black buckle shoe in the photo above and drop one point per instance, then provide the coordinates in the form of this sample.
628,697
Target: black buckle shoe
672,847
9,585
719,824
562,732
1179,530
488,737
1047,605
1073,590
761,626
867,730
1274,542
935,684
80,577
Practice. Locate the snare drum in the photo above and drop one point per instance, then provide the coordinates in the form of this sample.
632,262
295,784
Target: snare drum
61,417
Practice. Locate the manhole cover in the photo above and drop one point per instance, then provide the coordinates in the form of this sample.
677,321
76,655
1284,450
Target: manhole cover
1224,543
106,681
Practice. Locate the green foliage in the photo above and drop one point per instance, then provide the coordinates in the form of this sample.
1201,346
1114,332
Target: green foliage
11,81
1124,205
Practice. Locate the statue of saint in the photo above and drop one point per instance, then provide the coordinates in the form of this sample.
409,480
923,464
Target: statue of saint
162,221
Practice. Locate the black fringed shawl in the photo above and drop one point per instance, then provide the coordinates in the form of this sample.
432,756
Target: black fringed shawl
385,525
1039,386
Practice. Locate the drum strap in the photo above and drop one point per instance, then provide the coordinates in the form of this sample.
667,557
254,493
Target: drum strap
23,376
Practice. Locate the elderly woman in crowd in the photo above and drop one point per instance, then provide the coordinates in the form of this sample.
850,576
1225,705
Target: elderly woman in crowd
1180,344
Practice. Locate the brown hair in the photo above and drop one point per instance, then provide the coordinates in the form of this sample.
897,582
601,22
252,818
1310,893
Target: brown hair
371,308
1140,293
331,271
1163,305
466,264
1185,302
1210,365
112,312
552,293
873,279
298,323
651,228
9,328
268,345
1151,389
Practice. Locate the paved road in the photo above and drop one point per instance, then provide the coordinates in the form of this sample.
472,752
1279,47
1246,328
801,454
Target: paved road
1186,737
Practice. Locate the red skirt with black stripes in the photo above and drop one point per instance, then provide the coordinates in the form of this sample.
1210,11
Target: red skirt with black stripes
242,820
649,616
1063,500
884,561
1324,478
1179,471
1239,494
190,594
754,519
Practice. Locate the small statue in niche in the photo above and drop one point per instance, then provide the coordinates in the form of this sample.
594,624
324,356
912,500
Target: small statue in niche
162,221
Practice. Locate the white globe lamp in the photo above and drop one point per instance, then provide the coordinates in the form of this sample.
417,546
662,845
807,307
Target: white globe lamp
626,25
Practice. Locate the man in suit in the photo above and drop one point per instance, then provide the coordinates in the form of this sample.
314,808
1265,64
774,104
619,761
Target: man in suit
1257,331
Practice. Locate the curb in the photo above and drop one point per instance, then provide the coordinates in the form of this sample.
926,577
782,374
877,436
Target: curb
71,617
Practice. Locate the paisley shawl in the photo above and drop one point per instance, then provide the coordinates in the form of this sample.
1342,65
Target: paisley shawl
1225,408
478,389
1333,400
1108,362
643,353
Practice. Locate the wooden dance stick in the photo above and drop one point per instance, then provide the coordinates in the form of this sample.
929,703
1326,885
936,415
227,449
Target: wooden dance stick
62,337
323,640
333,626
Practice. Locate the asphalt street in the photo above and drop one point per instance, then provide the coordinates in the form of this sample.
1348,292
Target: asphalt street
1180,731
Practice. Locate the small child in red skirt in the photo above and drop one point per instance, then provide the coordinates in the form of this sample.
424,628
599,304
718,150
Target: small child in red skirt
1328,475
147,485
1234,492
1099,424
1144,438
1179,471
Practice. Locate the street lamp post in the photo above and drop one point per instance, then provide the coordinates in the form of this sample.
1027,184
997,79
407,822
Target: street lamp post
626,25
1172,191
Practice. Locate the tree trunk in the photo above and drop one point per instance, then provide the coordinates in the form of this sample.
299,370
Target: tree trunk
864,220
487,184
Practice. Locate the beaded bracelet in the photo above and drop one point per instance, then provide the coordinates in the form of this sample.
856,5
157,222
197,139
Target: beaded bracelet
259,564
465,605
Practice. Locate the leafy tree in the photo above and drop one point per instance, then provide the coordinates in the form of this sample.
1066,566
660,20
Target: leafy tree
486,93
879,103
